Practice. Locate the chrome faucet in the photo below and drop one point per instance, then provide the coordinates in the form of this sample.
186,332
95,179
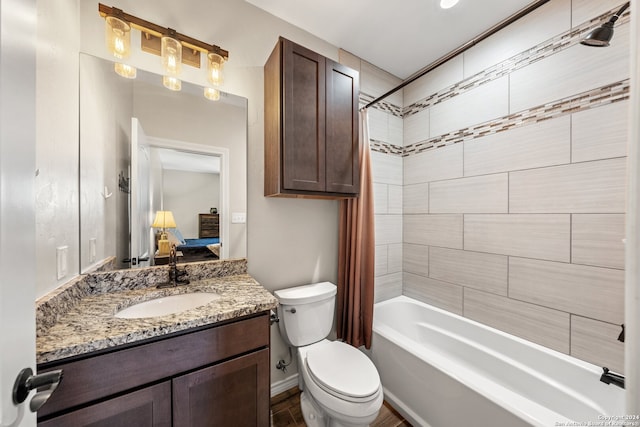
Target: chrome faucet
608,377
176,277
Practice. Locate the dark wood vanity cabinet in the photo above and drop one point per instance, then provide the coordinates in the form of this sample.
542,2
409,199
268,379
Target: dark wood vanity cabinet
311,125
208,226
213,376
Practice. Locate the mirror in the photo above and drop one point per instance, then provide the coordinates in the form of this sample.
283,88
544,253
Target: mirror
144,149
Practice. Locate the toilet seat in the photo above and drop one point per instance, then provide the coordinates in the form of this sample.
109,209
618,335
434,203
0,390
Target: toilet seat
343,371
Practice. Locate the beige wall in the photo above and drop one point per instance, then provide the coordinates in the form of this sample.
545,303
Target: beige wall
513,184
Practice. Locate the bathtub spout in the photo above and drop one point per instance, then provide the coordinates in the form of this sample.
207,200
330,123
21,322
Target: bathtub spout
608,377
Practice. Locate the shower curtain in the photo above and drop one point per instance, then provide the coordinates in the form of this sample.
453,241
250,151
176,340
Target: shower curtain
357,254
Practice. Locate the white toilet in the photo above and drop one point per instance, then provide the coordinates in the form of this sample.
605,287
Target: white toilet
341,386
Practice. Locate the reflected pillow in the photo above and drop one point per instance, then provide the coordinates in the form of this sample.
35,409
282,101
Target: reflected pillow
175,237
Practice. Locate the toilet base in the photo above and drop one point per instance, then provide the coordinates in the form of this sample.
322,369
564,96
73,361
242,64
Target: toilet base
315,416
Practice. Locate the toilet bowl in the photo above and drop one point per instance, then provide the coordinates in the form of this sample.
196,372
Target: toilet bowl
341,386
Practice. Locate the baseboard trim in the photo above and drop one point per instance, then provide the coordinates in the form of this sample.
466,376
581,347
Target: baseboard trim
284,385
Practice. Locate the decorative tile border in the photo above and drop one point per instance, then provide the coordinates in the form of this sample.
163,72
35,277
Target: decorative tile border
584,101
615,92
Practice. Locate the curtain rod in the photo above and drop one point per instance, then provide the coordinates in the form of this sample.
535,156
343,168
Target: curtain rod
497,27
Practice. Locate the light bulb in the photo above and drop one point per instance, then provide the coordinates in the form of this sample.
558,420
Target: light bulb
171,52
214,68
118,37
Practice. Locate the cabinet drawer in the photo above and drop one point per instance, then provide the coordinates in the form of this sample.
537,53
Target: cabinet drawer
100,376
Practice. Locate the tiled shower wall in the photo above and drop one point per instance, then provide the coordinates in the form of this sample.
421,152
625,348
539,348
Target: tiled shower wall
512,182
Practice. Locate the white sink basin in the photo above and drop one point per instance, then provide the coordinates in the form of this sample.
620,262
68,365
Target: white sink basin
167,305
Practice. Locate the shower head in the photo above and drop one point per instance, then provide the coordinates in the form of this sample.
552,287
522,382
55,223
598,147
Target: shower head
601,36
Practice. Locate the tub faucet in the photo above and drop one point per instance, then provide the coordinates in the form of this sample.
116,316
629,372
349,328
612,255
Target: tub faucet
608,377
176,277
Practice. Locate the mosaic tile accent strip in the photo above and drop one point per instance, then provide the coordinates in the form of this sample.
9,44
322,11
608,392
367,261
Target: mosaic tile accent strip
383,105
595,98
527,57
601,96
385,147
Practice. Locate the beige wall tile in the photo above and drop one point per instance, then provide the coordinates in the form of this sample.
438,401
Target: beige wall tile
596,239
387,287
585,10
597,342
590,187
472,269
433,230
378,125
440,294
592,292
395,199
471,107
433,165
600,133
415,259
480,194
442,77
538,324
570,72
416,127
388,229
535,236
415,198
386,168
542,24
542,144
394,258
380,198
381,259
396,132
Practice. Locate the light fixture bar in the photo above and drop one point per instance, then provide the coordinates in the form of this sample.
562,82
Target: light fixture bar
153,31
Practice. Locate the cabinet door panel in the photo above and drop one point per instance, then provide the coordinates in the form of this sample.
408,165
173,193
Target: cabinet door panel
149,407
342,147
303,144
233,393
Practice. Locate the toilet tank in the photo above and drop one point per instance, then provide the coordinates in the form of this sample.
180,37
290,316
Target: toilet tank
306,312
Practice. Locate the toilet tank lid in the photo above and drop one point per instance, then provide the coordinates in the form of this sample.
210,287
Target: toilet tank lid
306,293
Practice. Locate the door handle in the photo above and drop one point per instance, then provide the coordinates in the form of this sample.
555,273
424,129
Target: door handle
26,381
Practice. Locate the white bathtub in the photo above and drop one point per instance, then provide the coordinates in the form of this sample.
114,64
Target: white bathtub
439,369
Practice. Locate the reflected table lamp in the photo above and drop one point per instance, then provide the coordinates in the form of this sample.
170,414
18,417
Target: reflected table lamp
164,220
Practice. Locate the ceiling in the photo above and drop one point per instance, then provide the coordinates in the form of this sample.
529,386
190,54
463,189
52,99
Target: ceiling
401,37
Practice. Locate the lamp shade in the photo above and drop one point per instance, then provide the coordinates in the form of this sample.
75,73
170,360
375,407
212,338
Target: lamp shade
164,219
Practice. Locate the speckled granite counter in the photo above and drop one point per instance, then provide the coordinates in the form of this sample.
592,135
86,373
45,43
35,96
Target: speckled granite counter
87,323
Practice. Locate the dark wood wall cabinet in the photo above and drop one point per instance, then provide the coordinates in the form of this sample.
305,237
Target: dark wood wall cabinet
216,376
311,125
208,226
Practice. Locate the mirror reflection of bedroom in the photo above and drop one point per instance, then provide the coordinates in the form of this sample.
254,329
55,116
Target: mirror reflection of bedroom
189,206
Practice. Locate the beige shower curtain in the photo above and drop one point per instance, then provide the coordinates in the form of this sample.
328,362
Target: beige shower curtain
357,254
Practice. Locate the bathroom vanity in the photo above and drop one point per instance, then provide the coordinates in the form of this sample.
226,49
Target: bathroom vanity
204,366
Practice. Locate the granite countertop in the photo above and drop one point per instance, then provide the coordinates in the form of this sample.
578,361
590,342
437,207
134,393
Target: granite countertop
90,324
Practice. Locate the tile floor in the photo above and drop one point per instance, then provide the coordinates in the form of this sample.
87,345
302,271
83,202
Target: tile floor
285,410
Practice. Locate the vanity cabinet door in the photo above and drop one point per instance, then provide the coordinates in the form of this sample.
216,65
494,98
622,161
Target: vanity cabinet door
149,407
232,393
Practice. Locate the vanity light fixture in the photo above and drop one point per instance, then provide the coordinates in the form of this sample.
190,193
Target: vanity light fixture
174,48
125,70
